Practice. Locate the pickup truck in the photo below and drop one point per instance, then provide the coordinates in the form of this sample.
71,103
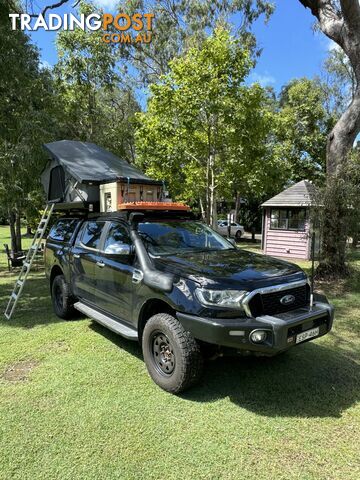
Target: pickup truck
179,288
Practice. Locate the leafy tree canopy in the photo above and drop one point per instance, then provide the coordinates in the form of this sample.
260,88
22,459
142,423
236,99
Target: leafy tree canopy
180,24
204,128
25,119
96,106
302,124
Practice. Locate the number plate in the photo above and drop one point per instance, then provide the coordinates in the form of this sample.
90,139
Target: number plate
314,332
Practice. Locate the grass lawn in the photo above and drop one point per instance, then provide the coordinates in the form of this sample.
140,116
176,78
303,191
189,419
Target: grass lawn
76,402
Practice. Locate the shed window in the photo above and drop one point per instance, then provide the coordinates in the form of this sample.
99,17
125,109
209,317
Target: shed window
288,219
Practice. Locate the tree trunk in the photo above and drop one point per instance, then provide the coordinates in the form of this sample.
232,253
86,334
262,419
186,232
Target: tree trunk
212,200
334,230
343,135
12,230
203,214
339,21
237,206
355,240
207,200
18,231
253,238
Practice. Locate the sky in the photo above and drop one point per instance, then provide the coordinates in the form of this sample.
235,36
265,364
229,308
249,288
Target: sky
291,49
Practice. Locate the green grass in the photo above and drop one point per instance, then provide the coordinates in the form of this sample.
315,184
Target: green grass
80,404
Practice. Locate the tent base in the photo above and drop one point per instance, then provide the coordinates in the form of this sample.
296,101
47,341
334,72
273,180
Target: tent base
78,206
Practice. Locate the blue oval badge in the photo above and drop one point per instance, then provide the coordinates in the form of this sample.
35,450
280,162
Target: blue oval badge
287,300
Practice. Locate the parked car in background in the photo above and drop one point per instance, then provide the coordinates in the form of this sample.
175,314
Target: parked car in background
236,230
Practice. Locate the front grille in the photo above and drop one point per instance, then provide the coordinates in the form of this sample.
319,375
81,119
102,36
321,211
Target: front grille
269,303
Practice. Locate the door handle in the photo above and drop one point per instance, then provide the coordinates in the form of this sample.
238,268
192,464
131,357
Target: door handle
100,264
76,255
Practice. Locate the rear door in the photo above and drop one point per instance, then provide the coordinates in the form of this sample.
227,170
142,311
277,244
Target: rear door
57,245
114,273
84,257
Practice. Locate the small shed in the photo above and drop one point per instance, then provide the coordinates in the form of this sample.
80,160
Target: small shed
286,222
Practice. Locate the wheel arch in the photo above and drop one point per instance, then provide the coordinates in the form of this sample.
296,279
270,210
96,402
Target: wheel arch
55,271
152,307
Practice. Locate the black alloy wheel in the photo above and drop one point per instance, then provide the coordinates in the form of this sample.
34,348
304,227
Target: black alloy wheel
172,355
62,300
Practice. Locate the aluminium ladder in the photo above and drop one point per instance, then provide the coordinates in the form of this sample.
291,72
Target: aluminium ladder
25,269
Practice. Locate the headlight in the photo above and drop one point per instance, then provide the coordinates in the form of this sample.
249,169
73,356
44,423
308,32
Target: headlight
221,298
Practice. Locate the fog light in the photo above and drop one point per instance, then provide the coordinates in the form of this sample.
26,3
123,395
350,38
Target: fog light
258,336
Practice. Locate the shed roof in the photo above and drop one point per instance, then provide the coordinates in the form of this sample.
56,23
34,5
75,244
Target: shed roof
88,162
301,194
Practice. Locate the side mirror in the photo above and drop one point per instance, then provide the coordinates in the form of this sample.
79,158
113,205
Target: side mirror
232,241
119,249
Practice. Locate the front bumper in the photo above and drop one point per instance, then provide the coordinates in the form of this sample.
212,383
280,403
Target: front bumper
282,329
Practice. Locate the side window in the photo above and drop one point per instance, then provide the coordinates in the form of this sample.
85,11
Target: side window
297,219
288,219
63,229
91,234
117,235
278,219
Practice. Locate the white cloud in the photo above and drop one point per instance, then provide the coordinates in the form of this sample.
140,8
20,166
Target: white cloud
264,79
107,4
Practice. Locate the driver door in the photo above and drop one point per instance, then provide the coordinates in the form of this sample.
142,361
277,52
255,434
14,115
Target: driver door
114,270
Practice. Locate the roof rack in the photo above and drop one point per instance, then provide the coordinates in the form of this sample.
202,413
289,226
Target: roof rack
163,206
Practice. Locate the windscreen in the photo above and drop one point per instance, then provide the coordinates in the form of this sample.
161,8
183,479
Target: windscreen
175,236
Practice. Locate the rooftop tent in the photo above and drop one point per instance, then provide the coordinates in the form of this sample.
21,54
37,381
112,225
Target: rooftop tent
76,169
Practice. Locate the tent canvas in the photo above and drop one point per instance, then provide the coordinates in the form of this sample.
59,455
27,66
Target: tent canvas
76,170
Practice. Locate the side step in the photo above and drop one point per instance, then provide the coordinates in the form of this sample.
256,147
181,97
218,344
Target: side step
106,321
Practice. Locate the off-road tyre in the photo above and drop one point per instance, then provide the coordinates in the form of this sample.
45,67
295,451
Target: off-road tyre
62,300
165,337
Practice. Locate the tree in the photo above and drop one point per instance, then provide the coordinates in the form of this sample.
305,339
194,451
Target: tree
26,102
301,128
340,82
353,181
340,21
204,128
32,7
85,65
180,24
94,106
